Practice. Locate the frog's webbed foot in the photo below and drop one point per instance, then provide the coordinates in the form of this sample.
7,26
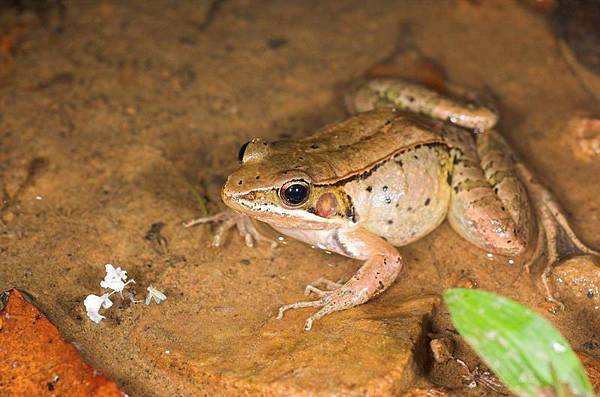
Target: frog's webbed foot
382,265
555,233
228,219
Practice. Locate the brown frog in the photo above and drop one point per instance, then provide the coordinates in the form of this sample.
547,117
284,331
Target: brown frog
407,160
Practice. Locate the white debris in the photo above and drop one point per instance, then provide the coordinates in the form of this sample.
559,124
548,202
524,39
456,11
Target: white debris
115,278
156,294
93,303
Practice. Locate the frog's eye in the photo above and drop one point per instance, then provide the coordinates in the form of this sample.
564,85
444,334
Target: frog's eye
243,150
295,193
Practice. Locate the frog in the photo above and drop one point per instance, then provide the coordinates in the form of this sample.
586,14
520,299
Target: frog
406,159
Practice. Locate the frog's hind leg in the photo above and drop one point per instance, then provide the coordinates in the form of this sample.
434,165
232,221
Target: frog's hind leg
461,109
556,238
489,206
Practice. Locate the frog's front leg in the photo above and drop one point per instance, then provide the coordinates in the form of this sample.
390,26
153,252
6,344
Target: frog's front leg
381,267
227,219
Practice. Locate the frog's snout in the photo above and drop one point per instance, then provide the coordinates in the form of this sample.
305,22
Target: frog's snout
234,189
227,192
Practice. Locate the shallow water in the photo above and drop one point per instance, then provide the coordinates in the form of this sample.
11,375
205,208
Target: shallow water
127,101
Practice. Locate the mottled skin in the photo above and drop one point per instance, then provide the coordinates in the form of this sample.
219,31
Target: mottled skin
384,178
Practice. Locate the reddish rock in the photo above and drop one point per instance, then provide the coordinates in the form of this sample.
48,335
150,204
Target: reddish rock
36,361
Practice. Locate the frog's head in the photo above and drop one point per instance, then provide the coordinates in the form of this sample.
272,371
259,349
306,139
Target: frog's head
274,185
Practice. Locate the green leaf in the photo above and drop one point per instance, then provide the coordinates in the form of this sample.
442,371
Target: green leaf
520,346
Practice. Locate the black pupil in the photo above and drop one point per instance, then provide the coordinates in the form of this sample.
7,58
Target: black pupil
243,150
296,193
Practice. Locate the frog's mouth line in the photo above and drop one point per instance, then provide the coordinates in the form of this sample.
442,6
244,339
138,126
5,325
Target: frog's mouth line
270,213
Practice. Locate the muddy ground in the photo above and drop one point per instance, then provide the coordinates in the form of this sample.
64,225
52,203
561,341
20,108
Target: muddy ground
115,115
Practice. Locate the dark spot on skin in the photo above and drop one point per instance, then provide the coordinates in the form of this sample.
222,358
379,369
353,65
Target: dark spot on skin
416,157
240,182
350,214
388,200
409,209
369,189
427,202
351,211
496,190
397,205
265,143
50,386
385,188
257,177
410,99
456,188
399,162
449,179
300,158
277,42
590,345
503,209
390,222
314,146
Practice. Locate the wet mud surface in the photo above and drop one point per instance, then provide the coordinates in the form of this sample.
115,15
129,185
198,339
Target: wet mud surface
114,116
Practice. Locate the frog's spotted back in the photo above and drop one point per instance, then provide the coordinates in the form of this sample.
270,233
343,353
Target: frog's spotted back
368,138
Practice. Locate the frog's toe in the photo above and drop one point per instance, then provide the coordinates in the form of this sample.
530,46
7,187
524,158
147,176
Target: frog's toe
250,233
311,289
330,285
299,305
321,281
221,216
325,310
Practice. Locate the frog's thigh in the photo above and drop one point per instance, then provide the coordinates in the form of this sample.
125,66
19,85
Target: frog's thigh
489,205
369,94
